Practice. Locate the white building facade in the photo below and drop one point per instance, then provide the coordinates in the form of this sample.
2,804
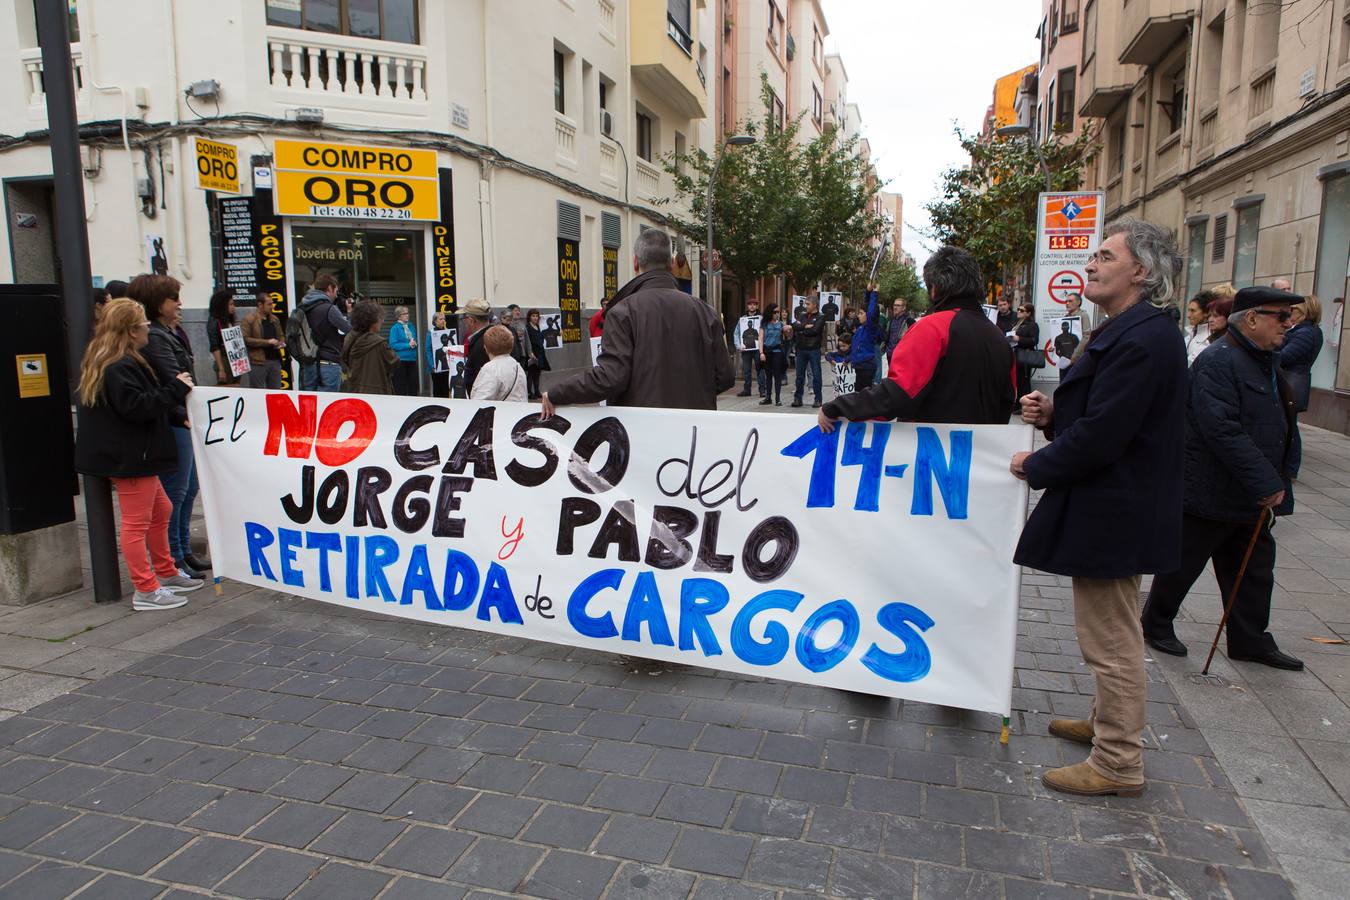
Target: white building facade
515,146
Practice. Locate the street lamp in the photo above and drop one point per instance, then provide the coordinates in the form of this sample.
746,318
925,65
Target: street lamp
1016,131
736,140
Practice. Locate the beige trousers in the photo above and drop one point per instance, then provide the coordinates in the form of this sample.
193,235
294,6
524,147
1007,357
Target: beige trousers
1106,611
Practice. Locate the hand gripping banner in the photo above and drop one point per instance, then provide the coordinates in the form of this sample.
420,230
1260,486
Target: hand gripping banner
876,558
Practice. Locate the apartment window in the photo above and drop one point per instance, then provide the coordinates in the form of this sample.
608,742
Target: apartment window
1118,149
1049,113
1244,245
776,106
1220,239
679,27
1173,107
1089,32
817,47
385,20
1195,257
1053,22
1068,17
775,25
817,106
644,137
1065,102
680,150
728,102
559,82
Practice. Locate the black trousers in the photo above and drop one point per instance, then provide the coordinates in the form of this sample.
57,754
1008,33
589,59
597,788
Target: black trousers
405,379
532,373
1225,543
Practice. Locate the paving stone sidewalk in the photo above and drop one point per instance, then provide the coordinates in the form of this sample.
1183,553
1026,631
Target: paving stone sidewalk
256,745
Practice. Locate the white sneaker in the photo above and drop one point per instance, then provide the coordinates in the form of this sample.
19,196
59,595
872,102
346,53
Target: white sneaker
181,583
159,598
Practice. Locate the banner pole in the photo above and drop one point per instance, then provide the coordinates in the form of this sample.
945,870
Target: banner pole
1003,735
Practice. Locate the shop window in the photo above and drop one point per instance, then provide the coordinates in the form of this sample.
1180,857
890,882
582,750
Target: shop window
1195,258
1331,280
385,20
1244,245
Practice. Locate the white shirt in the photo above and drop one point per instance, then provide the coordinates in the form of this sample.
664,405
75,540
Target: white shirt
501,378
1197,342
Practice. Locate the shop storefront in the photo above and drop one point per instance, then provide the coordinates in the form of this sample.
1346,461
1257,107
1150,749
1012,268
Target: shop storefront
379,219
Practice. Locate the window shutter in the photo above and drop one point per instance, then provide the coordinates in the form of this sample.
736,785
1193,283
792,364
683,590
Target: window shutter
611,230
569,221
1220,238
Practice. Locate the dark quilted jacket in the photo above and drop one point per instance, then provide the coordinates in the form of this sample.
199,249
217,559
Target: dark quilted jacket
1241,440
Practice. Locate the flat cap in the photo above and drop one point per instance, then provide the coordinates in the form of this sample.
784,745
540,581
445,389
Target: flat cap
1253,297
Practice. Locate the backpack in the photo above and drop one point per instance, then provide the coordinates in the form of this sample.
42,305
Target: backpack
300,343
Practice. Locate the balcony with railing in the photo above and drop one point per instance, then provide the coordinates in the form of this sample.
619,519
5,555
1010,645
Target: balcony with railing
1149,28
648,180
1263,93
1209,125
607,18
565,140
35,86
609,162
339,70
662,58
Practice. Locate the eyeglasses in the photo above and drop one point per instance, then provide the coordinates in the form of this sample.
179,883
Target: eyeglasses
1283,315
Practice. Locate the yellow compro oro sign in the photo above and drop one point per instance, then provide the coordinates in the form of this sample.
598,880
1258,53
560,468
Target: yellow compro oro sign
350,181
217,165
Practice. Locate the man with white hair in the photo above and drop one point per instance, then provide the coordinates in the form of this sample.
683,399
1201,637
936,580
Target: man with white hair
1112,476
662,347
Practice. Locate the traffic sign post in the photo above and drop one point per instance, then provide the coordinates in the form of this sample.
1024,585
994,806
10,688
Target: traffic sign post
1068,232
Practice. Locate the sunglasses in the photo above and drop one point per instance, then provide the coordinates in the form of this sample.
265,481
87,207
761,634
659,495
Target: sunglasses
1283,315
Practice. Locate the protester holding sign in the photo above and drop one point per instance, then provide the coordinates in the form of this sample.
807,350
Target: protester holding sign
1112,477
660,349
263,337
750,356
951,366
862,354
220,316
127,417
538,354
437,363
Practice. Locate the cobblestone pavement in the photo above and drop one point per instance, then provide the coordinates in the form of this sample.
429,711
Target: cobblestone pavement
256,745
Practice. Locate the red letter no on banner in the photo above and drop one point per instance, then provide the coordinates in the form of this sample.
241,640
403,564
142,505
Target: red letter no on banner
299,427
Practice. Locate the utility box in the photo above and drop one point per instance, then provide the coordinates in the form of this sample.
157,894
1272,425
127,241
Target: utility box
39,550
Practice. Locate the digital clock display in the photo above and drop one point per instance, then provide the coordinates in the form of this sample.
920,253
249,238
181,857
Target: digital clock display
1069,241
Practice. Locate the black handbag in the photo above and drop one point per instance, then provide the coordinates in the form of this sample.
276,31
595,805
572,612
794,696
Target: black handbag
1030,357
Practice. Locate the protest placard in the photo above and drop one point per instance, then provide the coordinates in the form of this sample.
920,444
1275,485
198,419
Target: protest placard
236,351
695,537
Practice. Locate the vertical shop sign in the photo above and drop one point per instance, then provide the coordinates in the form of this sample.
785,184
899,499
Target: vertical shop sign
569,288
443,248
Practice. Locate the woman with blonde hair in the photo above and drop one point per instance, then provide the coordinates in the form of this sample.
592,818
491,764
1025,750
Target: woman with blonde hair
1302,344
126,418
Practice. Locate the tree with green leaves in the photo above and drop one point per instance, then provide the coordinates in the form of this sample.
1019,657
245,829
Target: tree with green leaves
782,206
896,279
989,206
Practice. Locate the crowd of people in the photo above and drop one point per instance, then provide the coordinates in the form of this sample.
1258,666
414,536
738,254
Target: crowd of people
1166,450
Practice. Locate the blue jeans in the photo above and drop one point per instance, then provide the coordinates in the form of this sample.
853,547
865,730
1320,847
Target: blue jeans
807,358
750,361
181,486
321,376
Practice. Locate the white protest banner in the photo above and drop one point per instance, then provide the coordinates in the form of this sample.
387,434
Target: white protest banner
697,537
236,351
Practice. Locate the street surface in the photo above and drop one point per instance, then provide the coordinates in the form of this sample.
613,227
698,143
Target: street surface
254,745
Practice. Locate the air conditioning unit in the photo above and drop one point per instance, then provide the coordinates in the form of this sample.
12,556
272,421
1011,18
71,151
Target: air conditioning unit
606,123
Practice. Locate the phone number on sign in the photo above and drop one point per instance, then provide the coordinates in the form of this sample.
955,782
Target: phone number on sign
358,212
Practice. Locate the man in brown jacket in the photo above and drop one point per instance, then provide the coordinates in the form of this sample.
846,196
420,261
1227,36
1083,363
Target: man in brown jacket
662,348
265,339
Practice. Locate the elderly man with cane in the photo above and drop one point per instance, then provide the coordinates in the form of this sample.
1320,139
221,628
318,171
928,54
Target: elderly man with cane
1242,450
1111,511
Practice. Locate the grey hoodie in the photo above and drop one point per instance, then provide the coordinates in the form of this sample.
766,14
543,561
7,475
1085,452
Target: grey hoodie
328,329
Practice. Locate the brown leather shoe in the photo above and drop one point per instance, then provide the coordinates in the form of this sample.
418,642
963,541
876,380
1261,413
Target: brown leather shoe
1084,781
1077,730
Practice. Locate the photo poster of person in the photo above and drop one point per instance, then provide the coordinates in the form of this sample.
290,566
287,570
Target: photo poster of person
444,342
454,363
552,332
747,333
990,312
831,302
798,307
156,255
1066,334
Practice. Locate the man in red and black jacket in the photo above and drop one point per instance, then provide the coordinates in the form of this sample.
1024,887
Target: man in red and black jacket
953,366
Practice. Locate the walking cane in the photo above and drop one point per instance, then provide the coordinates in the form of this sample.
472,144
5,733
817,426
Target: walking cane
1237,583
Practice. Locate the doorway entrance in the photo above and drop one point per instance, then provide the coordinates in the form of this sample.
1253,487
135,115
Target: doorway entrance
385,265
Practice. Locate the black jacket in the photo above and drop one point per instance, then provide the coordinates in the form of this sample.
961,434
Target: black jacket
475,357
1242,442
1028,335
952,366
168,355
807,331
1112,472
537,346
126,434
1302,344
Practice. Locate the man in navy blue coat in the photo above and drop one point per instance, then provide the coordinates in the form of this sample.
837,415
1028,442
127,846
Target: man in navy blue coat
1111,511
1242,450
